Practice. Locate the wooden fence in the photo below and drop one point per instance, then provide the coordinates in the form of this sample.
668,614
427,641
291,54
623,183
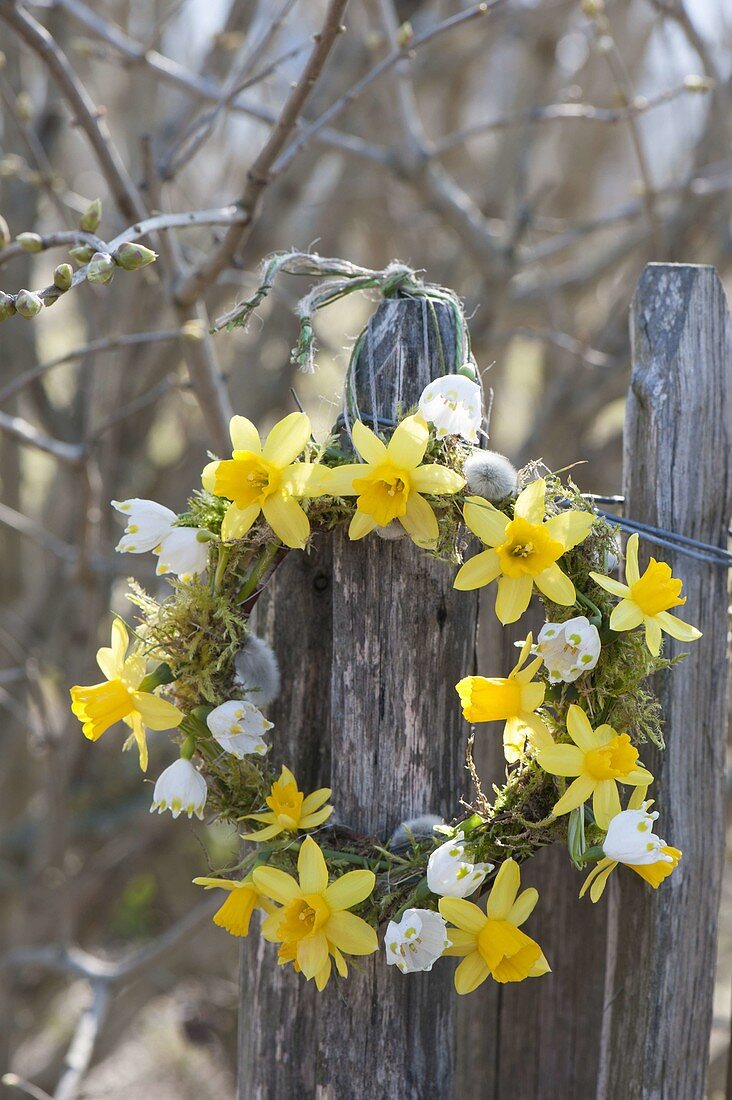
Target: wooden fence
368,708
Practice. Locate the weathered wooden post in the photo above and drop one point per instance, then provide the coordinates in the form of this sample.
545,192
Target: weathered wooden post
678,439
368,707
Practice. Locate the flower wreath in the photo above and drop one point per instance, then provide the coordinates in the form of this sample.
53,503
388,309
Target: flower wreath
576,706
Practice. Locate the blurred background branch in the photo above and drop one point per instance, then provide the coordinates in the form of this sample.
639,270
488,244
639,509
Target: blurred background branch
532,154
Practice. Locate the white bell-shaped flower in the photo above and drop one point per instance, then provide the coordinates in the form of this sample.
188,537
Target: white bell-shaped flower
238,726
451,873
630,839
417,941
182,553
453,404
180,789
147,525
150,526
568,648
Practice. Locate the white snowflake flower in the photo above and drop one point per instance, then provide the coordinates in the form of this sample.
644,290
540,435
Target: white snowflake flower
180,789
630,839
150,526
450,872
238,726
569,648
453,404
417,941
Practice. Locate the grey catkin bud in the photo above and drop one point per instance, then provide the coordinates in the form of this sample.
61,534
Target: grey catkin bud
257,670
81,254
7,306
5,237
393,530
490,475
28,304
131,256
31,242
101,268
62,276
90,219
417,828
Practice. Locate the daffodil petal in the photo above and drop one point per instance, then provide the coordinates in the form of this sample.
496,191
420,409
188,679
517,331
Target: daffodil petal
276,884
614,587
581,731
606,802
541,966
597,887
563,760
287,439
632,572
596,870
523,906
530,502
485,521
111,659
570,528
237,521
339,480
478,571
653,636
312,868
263,834
244,435
556,586
368,444
420,522
504,891
312,954
512,598
684,632
471,972
138,732
311,821
360,526
350,889
322,976
463,914
157,714
351,934
315,800
626,616
576,795
306,479
409,442
461,942
287,520
436,479
639,777
208,475
215,883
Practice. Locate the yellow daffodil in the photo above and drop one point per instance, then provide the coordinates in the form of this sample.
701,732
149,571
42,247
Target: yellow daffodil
390,482
313,924
523,551
630,840
600,759
492,942
266,479
289,810
646,599
236,912
514,698
99,706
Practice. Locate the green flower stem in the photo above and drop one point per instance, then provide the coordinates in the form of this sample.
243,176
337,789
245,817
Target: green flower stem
265,560
223,558
585,601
